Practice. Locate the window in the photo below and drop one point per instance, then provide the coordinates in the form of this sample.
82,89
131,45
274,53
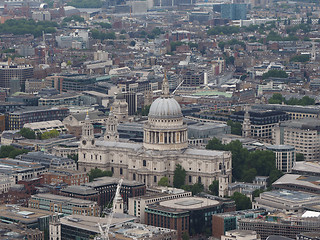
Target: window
155,179
190,179
144,163
134,177
121,171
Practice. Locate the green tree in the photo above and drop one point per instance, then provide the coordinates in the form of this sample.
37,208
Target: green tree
274,175
276,98
96,173
275,73
164,181
242,201
236,127
75,18
300,58
214,188
197,188
179,176
5,151
257,192
27,133
17,152
299,157
50,134
249,175
185,236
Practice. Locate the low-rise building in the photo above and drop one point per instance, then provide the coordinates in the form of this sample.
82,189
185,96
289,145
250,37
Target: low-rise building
64,205
285,200
297,182
21,170
14,230
68,99
67,176
241,235
48,160
307,168
41,127
223,222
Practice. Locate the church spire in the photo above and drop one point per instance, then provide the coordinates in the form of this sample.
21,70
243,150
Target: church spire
165,86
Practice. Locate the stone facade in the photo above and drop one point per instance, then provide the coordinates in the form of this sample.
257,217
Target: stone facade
165,145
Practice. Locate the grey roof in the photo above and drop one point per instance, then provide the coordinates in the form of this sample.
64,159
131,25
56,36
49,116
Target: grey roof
307,181
280,147
307,167
289,108
203,152
102,181
304,123
165,108
81,190
92,115
133,146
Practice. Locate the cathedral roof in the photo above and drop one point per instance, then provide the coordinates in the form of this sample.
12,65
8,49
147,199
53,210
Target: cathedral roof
164,107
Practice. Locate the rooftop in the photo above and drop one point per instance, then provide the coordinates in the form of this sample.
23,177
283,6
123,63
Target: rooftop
189,203
102,181
304,124
307,167
307,181
65,200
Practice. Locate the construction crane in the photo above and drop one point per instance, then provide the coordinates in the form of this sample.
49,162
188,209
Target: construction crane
104,234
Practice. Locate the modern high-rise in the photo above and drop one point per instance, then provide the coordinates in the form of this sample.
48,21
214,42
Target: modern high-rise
9,72
234,11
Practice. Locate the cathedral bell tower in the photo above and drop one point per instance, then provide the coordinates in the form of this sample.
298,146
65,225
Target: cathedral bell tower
223,182
111,133
246,124
87,138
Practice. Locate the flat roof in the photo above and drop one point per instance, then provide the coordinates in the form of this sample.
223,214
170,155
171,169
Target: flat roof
292,196
58,198
296,179
22,214
189,203
307,167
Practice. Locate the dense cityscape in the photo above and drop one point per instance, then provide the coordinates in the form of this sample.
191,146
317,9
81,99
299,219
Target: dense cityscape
160,119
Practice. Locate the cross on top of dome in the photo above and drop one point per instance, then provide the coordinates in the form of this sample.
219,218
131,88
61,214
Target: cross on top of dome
165,86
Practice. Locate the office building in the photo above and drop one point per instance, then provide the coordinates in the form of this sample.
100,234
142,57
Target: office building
63,99
64,205
66,176
283,225
285,200
48,160
25,216
295,112
307,168
11,71
261,123
241,235
21,170
137,205
309,236
122,227
234,11
285,157
303,134
41,127
190,215
17,119
223,222
106,186
12,231
295,182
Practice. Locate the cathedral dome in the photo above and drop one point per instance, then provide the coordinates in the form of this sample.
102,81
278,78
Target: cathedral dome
164,107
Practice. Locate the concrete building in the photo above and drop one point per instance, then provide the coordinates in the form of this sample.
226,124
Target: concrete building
137,205
41,127
303,134
190,215
12,231
307,168
308,236
122,227
69,177
297,182
285,200
67,99
223,222
17,119
241,235
283,225
48,160
285,157
64,205
234,11
165,144
9,71
21,170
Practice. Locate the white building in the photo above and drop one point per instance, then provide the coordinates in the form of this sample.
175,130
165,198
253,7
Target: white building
164,146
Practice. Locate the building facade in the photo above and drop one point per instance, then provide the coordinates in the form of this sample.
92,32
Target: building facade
164,146
285,157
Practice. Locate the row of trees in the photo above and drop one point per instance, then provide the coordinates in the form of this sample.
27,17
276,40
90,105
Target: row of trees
11,152
86,3
277,98
30,134
27,26
96,34
96,173
247,165
275,73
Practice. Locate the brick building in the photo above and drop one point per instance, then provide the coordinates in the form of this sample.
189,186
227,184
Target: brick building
67,176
